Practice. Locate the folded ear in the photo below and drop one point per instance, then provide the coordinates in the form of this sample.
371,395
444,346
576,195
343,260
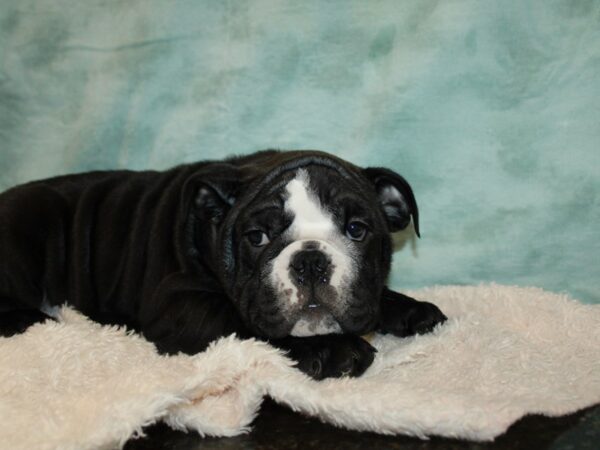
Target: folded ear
210,195
395,197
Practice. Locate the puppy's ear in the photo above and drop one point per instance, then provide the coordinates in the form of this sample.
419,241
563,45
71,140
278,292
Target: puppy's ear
209,196
395,197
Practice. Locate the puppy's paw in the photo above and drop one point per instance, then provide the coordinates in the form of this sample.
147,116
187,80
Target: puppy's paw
331,355
418,318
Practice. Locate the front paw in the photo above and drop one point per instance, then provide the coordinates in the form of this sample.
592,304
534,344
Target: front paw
418,318
331,355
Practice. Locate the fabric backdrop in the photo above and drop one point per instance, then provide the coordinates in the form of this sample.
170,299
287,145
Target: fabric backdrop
490,109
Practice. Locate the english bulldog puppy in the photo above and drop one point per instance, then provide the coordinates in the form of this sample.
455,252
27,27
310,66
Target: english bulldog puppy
289,247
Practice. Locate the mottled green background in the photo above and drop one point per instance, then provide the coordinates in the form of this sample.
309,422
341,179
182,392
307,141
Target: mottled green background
491,109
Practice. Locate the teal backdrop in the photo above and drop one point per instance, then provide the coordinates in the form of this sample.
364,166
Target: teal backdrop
491,109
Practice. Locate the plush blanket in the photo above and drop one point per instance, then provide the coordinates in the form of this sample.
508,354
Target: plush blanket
504,352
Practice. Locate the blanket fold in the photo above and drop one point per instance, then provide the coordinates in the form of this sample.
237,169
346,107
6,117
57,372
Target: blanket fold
504,352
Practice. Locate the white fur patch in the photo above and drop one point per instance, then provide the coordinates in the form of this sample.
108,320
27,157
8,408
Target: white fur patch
306,327
311,221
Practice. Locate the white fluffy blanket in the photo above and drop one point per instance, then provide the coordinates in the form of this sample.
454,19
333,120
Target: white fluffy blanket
504,352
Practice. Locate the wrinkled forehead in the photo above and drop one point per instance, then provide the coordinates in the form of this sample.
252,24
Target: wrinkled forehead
305,200
309,201
312,184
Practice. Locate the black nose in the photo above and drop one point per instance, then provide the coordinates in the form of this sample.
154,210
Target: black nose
310,266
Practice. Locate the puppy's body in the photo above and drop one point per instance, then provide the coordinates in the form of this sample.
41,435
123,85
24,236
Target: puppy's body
292,247
115,245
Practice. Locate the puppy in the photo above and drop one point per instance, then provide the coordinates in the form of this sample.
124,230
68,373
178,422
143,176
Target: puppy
290,247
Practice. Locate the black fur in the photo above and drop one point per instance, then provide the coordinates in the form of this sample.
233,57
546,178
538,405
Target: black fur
157,251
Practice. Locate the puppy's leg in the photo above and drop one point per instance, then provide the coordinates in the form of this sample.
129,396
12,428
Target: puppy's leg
329,355
32,255
404,316
185,317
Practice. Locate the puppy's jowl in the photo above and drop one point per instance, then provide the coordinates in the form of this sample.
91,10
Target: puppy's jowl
290,247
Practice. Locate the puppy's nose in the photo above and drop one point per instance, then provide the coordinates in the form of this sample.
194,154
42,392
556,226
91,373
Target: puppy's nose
310,266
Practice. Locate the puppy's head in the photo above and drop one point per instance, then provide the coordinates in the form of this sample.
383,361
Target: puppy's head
301,241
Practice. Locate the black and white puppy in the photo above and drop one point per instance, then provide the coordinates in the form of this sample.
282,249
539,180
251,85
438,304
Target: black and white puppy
291,247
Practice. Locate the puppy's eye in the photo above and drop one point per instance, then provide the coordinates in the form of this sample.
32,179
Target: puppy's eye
257,238
356,230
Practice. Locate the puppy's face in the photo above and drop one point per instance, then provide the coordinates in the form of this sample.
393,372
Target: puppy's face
309,253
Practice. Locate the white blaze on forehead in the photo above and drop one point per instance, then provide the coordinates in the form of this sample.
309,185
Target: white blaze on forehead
311,221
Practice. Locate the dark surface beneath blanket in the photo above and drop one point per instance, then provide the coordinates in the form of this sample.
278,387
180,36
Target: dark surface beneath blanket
279,428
